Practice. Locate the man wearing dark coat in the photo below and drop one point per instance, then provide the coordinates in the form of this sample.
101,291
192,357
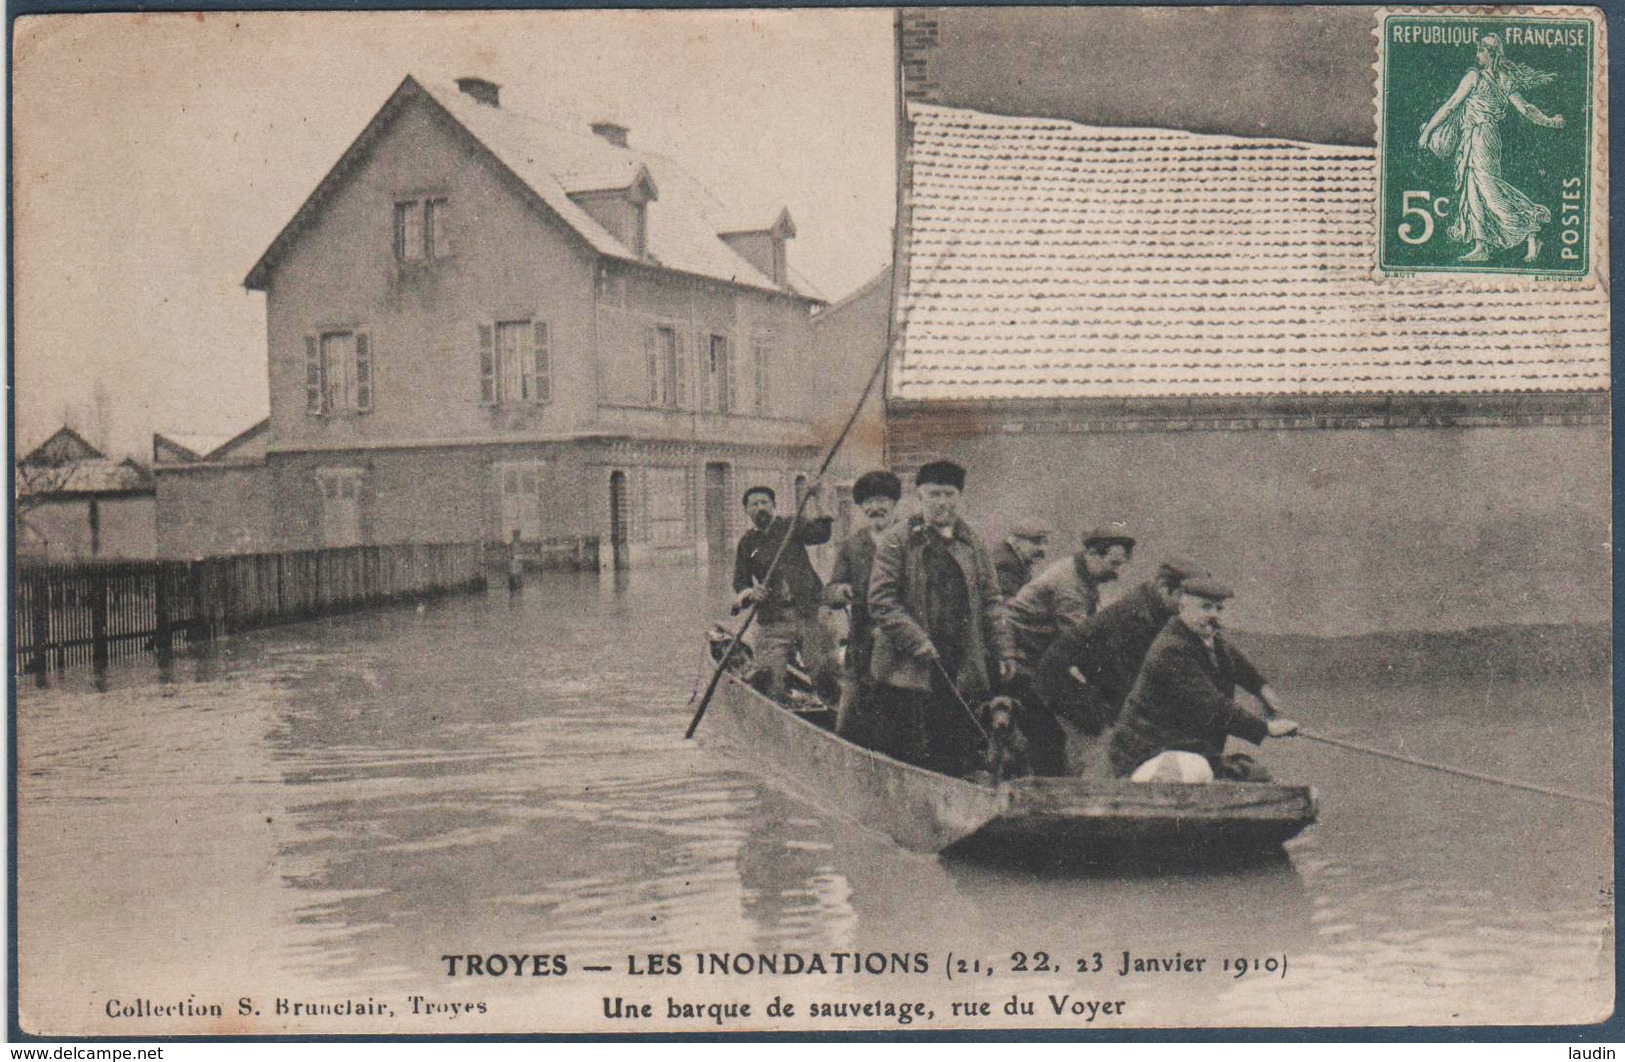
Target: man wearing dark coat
1086,675
1184,698
940,630
1018,554
788,614
876,495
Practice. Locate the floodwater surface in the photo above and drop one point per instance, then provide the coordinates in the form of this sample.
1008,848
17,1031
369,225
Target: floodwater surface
333,815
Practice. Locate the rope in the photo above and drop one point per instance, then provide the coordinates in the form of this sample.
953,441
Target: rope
1509,783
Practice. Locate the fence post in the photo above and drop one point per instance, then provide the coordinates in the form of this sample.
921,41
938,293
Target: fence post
39,662
98,621
163,638
197,627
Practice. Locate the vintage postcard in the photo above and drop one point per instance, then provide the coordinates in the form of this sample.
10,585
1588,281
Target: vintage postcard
691,522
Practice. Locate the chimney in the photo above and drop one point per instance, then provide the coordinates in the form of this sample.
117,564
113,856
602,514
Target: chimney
614,132
482,90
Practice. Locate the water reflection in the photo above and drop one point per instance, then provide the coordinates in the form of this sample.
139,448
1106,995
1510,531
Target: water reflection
507,774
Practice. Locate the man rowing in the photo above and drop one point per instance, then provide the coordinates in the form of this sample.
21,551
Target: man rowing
940,629
788,612
1184,698
1068,591
876,495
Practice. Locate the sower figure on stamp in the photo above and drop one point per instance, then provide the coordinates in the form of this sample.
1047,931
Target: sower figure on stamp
1086,675
1184,698
1491,214
876,495
940,630
788,616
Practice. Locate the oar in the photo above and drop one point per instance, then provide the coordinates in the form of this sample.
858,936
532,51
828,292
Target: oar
784,543
1445,768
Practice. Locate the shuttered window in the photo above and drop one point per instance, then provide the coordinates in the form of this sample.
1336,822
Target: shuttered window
516,364
338,372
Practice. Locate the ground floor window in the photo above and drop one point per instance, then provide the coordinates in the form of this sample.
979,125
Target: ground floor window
340,492
668,506
521,486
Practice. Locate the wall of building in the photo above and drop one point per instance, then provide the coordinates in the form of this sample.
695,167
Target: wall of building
1323,532
507,263
60,530
848,339
204,511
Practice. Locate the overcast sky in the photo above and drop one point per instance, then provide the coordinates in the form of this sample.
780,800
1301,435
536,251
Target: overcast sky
157,156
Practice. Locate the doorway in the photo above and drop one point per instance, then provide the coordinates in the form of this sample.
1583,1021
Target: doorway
617,521
716,511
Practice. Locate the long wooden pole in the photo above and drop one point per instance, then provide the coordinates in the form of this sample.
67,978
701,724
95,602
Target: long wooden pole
1446,769
784,543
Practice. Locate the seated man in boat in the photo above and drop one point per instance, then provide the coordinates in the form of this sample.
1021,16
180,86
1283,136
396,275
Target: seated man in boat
1018,555
1184,697
876,495
1086,675
788,613
1067,592
940,630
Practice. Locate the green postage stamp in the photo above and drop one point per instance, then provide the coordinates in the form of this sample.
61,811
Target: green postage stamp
1489,159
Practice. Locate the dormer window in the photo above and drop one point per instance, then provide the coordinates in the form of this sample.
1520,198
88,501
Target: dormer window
422,229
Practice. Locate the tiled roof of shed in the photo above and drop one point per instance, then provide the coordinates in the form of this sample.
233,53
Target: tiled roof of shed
1049,259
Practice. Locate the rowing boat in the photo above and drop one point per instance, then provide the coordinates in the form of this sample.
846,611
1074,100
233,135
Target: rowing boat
1056,819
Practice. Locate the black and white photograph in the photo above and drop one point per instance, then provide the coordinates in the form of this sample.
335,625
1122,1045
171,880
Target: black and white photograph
693,522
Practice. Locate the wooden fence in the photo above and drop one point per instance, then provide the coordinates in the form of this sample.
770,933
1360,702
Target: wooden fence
71,615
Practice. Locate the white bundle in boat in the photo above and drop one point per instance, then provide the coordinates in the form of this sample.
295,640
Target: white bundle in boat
1185,767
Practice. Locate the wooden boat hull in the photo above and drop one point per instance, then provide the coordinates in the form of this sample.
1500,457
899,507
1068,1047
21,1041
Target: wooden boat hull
1057,819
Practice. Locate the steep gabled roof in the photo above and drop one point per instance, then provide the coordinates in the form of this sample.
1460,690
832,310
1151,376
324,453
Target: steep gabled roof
550,163
63,447
1048,259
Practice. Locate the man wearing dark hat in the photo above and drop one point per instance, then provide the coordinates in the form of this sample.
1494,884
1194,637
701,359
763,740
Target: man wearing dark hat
940,631
1184,698
876,495
788,614
1018,554
1067,592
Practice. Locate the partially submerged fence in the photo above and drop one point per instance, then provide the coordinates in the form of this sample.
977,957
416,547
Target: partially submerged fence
71,615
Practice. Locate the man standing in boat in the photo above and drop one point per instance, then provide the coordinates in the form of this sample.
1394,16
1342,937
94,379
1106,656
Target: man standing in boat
876,495
1184,698
1086,675
1067,592
788,613
940,629
1018,555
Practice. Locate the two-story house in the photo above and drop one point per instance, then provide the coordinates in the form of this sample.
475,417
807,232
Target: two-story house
480,322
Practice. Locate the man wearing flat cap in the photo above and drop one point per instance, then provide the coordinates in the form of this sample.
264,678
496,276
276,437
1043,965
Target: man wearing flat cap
1018,554
1184,698
876,495
1067,592
788,614
940,631
1086,675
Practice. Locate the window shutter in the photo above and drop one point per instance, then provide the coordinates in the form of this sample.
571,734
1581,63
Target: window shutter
725,378
488,366
651,363
679,373
363,371
313,375
543,385
439,231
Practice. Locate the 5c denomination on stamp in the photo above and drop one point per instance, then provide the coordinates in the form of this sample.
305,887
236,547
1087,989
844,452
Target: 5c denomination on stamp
1487,150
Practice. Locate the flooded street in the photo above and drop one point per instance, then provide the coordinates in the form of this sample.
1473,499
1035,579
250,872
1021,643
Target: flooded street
322,812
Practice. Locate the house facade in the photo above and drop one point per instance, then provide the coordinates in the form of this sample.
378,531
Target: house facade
1182,331
480,323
